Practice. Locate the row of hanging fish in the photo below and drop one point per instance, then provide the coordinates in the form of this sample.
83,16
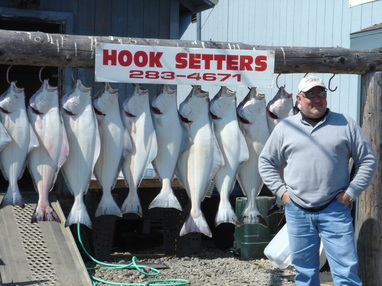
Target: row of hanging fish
199,142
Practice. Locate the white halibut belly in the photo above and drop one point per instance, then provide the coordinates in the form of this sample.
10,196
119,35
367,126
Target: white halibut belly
79,165
108,164
169,137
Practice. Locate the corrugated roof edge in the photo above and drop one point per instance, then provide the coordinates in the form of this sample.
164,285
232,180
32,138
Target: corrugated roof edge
371,28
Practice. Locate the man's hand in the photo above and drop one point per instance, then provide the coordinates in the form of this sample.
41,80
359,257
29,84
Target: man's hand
343,198
285,198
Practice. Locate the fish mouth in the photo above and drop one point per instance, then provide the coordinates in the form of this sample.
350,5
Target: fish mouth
184,119
35,110
214,116
155,110
4,110
98,112
243,120
68,112
129,114
272,115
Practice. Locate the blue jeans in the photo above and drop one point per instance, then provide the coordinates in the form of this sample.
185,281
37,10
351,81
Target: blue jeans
334,226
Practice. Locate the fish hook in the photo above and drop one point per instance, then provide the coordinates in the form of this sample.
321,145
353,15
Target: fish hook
334,89
39,74
277,81
73,69
8,74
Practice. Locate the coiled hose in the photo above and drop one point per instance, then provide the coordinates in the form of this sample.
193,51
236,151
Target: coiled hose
167,282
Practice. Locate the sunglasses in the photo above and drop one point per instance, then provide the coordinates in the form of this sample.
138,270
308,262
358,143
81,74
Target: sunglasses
311,94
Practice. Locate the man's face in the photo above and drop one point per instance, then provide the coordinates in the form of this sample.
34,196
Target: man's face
312,105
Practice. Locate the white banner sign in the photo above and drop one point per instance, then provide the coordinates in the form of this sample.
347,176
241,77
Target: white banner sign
353,3
174,65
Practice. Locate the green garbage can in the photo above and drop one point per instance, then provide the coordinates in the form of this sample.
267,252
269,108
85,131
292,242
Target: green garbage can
251,239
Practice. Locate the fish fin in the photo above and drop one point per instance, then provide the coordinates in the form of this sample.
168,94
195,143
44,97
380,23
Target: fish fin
47,214
226,215
132,204
181,180
78,214
244,152
153,149
210,189
64,153
12,198
165,199
108,206
181,166
198,224
4,136
186,141
97,148
127,144
152,154
218,159
3,172
181,162
250,216
33,141
67,182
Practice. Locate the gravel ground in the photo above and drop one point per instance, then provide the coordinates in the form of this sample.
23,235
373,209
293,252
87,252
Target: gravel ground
212,266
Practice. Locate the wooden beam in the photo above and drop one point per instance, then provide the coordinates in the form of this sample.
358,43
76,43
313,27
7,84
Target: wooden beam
369,222
63,50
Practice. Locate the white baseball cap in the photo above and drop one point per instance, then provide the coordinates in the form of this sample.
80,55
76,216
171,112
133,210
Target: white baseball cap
309,82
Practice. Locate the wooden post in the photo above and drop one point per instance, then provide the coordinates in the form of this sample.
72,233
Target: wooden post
369,225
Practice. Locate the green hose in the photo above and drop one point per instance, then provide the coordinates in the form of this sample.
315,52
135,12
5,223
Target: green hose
173,282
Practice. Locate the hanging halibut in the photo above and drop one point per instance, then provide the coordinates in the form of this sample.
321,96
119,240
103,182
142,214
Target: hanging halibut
84,143
115,144
164,110
46,160
234,149
280,107
253,123
137,119
198,164
13,156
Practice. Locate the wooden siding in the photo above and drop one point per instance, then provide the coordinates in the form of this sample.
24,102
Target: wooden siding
305,23
133,18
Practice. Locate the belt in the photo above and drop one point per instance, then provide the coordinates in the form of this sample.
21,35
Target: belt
313,210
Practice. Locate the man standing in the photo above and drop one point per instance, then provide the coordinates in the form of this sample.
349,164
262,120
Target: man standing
315,147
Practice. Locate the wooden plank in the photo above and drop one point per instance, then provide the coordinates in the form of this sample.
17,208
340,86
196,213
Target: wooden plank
151,21
135,18
102,17
163,26
119,24
43,49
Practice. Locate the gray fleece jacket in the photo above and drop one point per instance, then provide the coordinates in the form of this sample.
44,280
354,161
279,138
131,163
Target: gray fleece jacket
316,159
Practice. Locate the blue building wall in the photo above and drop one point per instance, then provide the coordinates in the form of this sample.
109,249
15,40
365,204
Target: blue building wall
304,23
